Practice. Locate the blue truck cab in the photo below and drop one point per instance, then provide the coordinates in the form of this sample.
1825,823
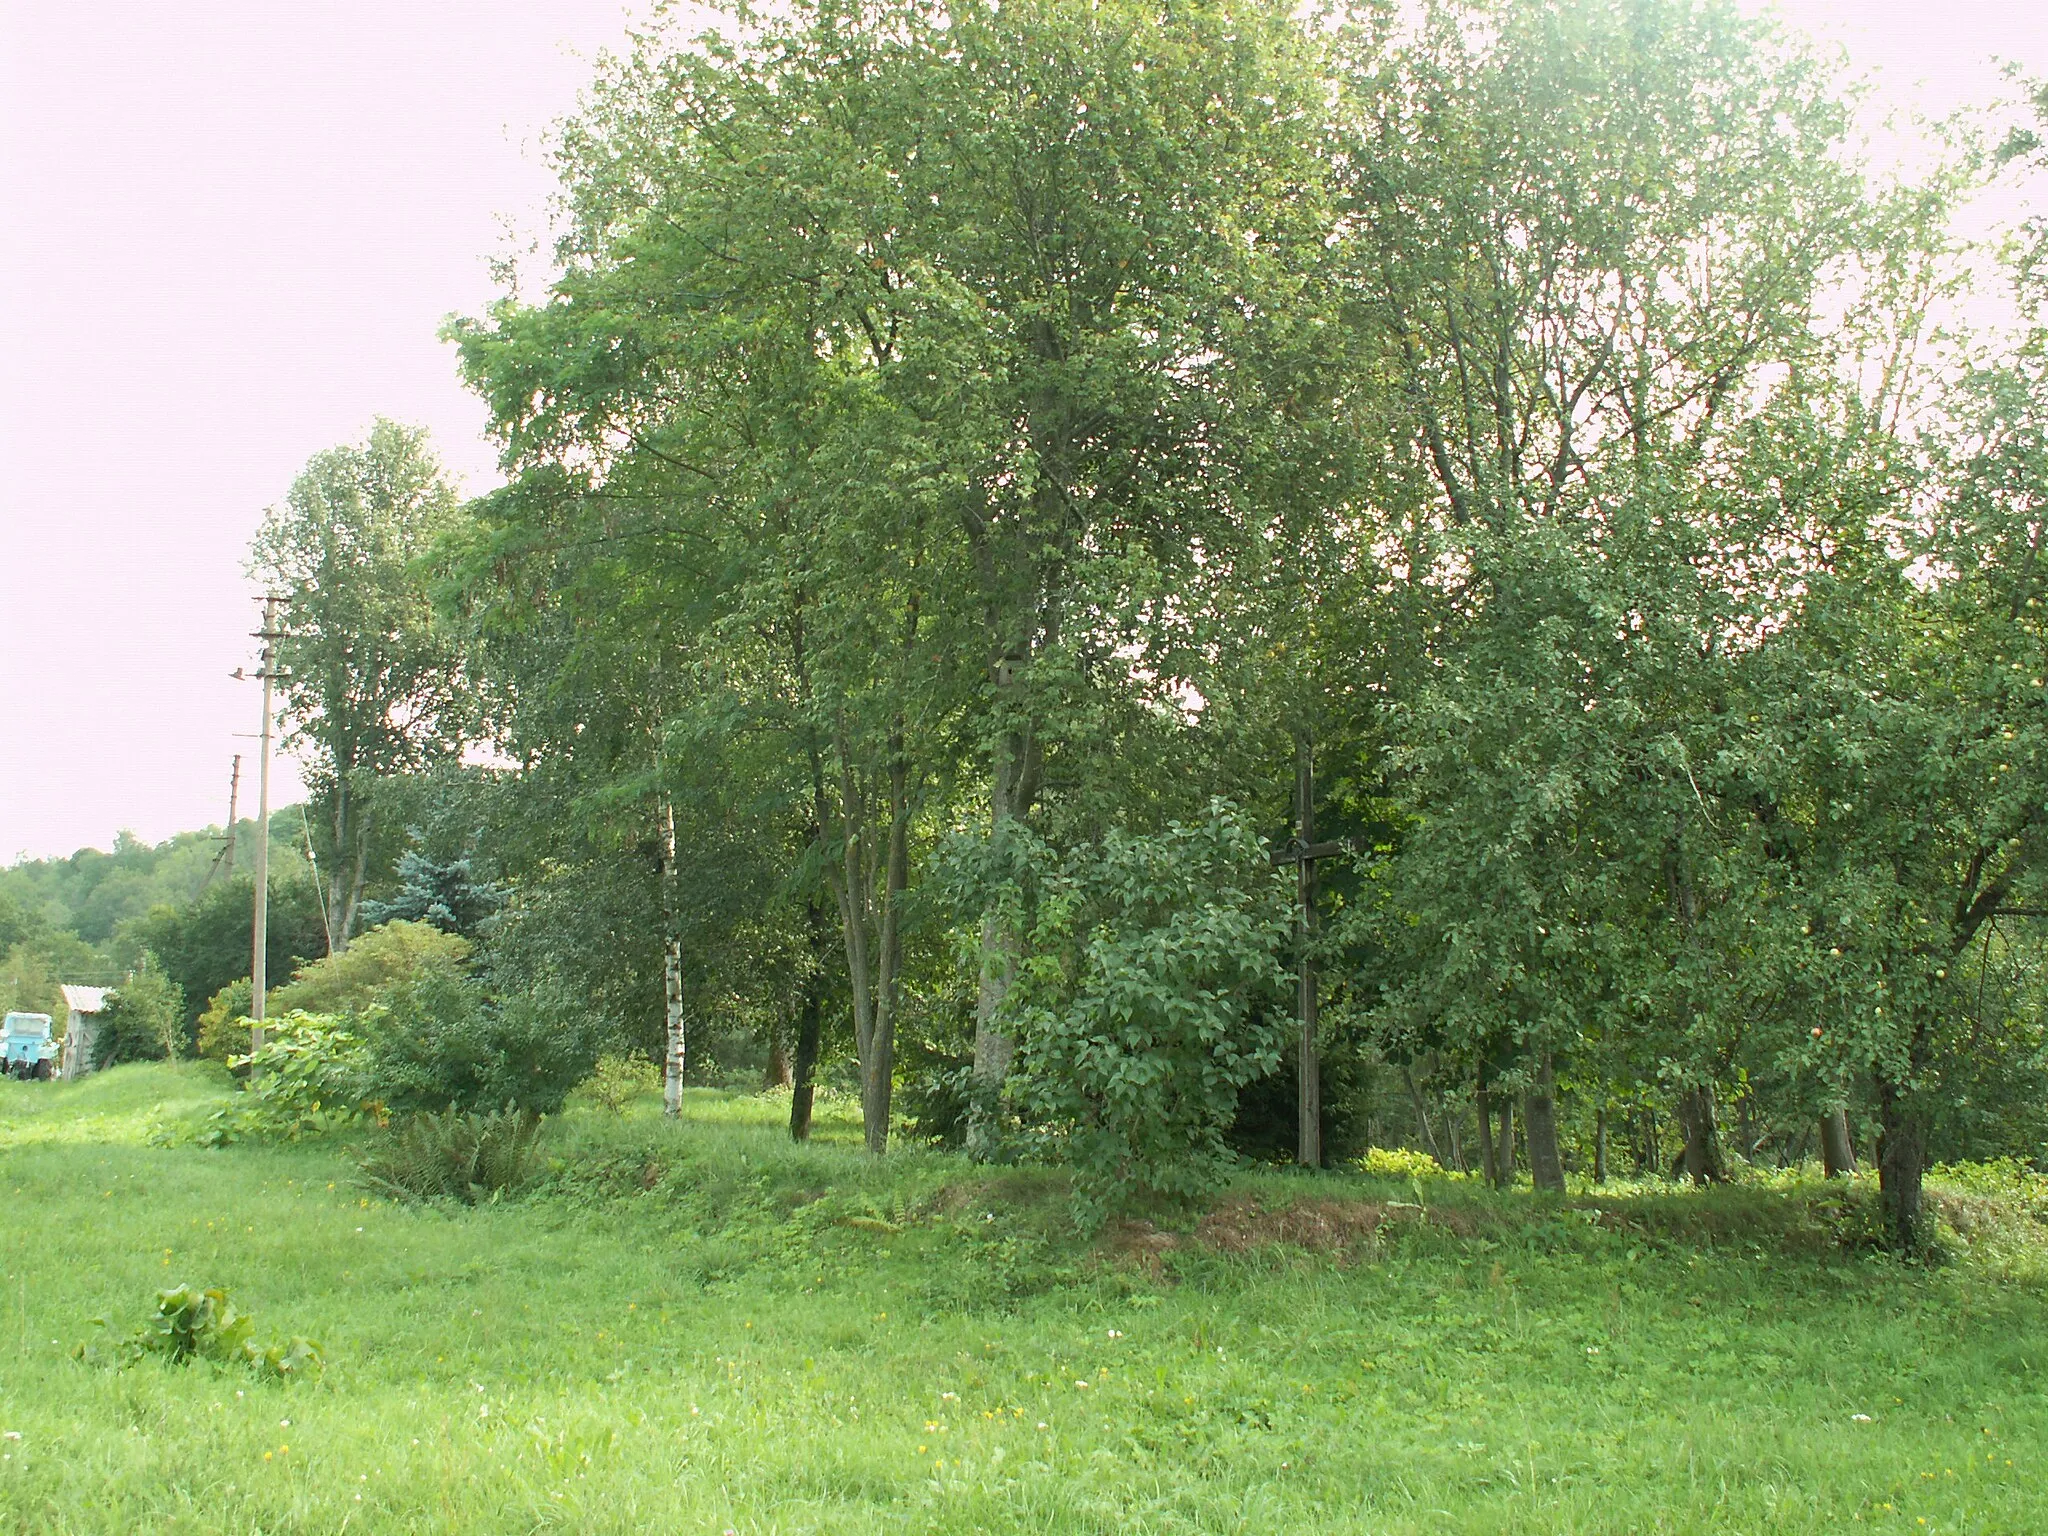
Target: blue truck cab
26,1049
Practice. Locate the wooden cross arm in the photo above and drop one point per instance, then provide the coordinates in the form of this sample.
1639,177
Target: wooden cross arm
1296,853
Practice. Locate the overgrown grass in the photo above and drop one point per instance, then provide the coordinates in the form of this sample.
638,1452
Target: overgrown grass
704,1328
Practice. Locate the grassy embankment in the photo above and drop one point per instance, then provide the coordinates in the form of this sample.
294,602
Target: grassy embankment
703,1328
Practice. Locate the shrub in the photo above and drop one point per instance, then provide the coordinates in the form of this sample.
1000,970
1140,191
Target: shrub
445,1044
455,1156
224,1023
617,1081
1400,1163
313,1073
144,1018
191,1324
376,966
1134,1004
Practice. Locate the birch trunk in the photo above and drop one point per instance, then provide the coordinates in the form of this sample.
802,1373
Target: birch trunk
675,1057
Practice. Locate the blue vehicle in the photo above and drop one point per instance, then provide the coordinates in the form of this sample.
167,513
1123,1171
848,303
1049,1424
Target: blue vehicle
26,1050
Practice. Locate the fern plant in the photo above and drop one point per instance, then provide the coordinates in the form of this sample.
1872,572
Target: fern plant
455,1155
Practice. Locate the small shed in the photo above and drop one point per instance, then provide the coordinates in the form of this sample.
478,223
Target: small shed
85,1004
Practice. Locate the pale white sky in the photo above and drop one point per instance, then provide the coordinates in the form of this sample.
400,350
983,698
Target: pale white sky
229,230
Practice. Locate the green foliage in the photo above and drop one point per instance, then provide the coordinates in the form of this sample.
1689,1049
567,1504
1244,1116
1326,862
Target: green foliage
455,1155
312,1073
144,1019
1399,1163
204,944
191,1324
224,1023
373,970
346,548
95,896
445,893
1136,1003
30,982
617,1080
445,1043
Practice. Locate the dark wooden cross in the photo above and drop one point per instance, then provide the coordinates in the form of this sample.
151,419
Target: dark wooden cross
1302,853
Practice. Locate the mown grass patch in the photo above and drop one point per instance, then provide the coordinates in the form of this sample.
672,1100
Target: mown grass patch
767,1338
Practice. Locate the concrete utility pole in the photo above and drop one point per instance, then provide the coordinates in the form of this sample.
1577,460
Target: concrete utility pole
260,922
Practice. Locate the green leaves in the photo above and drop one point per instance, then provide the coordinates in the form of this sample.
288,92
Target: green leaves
1149,991
310,1074
190,1324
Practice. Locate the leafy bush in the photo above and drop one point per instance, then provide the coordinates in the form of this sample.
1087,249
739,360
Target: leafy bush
445,1044
1400,1163
455,1156
144,1018
224,1022
617,1081
1134,1002
312,1074
191,1324
376,966
935,1100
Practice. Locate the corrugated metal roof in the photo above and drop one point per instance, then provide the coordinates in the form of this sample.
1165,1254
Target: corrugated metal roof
85,999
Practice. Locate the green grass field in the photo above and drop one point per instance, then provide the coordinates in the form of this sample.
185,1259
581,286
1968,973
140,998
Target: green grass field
700,1328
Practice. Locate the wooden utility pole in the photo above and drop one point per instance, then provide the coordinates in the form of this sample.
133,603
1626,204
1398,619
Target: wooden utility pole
260,920
1303,855
224,861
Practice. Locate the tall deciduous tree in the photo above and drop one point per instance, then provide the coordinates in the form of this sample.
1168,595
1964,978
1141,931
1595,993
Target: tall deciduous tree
888,365
1586,240
372,685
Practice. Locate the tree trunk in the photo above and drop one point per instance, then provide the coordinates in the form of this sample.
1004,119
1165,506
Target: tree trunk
1308,1071
1487,1167
354,905
1504,1148
1013,788
675,1056
1600,1145
330,912
1837,1151
1539,1116
879,1072
778,1073
810,1026
1702,1157
1901,1168
1422,1126
874,949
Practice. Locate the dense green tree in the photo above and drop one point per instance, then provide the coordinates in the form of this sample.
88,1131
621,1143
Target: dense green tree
205,944
1586,243
915,331
371,685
